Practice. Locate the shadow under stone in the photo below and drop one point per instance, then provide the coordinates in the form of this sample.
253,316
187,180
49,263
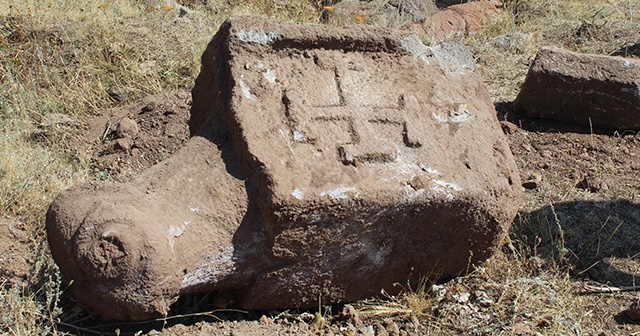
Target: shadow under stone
598,241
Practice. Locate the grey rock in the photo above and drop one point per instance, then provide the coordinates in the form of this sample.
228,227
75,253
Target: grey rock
118,94
510,40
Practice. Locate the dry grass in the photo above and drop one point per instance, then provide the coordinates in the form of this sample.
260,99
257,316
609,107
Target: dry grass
64,56
598,26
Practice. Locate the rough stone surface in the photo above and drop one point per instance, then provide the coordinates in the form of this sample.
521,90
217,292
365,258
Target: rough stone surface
326,164
461,19
587,90
127,128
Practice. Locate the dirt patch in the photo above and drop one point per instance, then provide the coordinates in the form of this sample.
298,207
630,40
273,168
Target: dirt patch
574,162
135,137
15,255
305,324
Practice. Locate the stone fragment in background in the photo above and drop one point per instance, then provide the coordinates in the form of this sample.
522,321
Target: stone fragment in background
595,91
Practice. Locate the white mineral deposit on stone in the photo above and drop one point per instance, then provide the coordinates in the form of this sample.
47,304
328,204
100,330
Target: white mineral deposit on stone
299,136
283,135
439,117
444,188
452,57
449,185
245,89
461,115
340,193
196,210
270,75
299,278
253,36
430,170
358,95
175,231
419,51
375,254
299,194
107,233
83,234
402,162
411,193
212,269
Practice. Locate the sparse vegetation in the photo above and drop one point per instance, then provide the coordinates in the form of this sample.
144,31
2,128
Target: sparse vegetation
68,57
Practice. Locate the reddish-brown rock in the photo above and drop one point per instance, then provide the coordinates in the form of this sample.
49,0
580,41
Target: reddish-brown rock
327,164
583,89
461,19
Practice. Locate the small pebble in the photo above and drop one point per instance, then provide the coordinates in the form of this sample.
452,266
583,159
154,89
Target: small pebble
533,181
123,144
118,94
127,128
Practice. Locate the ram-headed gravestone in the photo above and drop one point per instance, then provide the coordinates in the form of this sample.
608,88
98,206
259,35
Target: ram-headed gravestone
326,164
